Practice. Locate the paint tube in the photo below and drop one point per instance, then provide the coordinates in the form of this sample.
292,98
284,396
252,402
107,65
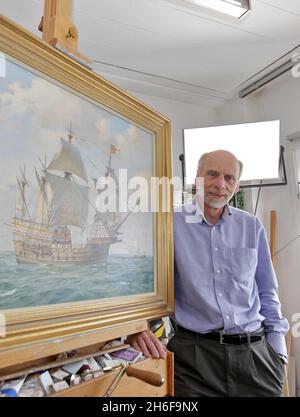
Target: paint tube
12,388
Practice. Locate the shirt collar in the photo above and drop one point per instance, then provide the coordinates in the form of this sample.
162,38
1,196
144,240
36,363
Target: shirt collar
199,212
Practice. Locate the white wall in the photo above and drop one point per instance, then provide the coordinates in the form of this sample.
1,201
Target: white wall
182,115
278,100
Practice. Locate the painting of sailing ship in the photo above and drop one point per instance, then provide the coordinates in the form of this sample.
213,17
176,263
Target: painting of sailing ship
56,245
46,237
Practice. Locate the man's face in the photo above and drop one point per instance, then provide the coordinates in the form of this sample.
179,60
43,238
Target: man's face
220,171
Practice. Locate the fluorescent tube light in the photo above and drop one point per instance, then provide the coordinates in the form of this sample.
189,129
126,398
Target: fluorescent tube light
235,8
283,68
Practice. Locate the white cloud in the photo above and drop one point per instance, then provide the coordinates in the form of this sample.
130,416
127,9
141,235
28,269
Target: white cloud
129,141
46,103
103,128
133,135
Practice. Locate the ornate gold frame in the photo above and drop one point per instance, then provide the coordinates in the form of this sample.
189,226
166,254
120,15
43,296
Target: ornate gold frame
39,324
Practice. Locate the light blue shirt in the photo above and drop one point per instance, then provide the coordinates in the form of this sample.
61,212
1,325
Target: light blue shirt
224,277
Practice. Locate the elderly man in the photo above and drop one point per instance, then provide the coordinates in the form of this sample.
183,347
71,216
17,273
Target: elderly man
230,337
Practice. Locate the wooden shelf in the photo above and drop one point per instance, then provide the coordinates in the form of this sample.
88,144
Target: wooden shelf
37,357
128,386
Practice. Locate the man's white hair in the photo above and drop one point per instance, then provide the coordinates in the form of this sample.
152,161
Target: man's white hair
204,155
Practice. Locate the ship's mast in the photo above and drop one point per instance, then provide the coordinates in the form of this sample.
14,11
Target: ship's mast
110,220
22,208
70,133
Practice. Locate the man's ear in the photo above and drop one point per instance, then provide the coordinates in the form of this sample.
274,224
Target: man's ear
237,188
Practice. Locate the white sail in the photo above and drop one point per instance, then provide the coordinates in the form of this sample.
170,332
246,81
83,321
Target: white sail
68,159
69,205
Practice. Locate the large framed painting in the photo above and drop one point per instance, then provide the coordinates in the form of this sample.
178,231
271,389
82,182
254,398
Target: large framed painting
82,245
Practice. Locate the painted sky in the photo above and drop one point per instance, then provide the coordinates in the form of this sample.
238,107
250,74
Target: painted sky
34,114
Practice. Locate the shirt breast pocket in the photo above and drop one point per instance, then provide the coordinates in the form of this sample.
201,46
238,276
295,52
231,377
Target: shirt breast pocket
242,264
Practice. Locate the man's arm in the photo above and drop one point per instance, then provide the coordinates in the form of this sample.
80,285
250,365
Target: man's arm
275,324
147,343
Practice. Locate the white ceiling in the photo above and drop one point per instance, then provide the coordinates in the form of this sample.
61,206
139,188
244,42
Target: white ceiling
155,48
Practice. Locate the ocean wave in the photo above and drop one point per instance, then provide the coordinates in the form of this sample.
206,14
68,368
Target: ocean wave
36,285
8,293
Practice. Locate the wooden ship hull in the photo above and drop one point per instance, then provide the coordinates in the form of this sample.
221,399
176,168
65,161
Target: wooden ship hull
37,244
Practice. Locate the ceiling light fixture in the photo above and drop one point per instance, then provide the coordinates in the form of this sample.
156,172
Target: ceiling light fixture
235,8
272,75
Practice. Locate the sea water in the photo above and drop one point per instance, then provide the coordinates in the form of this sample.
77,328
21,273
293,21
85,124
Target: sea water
23,285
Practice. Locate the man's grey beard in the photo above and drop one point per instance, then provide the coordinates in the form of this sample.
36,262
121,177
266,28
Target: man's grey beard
217,204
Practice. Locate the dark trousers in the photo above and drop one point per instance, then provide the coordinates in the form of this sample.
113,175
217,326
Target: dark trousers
206,368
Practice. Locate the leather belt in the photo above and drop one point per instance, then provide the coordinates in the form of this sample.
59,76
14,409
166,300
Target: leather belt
223,338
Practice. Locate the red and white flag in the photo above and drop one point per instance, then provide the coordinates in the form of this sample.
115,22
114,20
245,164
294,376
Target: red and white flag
114,149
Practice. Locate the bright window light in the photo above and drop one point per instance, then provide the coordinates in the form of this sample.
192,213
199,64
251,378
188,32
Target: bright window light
235,8
257,145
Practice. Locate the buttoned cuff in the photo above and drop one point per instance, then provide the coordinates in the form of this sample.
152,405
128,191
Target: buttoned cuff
277,342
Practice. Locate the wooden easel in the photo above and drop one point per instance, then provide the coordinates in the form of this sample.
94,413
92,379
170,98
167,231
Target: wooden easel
273,256
58,30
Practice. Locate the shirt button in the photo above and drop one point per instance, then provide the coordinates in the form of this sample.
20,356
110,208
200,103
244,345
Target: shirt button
218,271
220,294
216,248
227,317
214,228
